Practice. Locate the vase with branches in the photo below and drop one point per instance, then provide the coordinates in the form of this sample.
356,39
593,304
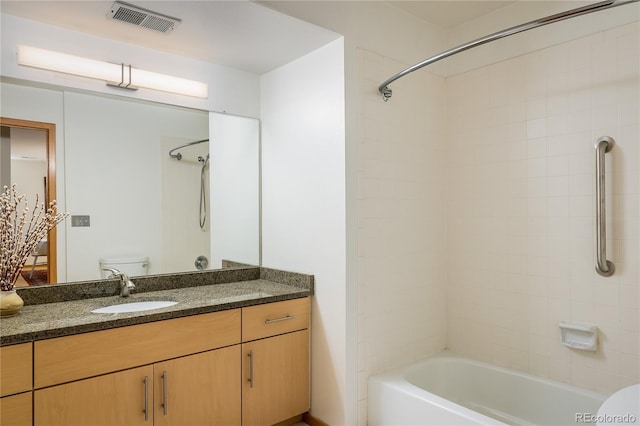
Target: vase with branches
21,229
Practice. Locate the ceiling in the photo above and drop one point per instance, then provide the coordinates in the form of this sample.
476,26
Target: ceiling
239,34
448,14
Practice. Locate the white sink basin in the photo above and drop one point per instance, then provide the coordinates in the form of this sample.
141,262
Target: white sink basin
133,307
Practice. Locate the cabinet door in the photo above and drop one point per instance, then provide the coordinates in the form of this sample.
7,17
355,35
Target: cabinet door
15,410
16,370
116,399
275,378
199,390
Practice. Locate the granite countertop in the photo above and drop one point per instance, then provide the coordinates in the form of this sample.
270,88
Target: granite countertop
64,309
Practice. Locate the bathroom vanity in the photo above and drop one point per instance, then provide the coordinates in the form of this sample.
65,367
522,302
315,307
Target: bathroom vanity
228,353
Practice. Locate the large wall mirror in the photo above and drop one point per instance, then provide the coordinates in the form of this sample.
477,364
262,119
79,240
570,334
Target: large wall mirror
142,181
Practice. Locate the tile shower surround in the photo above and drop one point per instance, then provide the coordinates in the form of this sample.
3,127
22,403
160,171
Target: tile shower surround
507,206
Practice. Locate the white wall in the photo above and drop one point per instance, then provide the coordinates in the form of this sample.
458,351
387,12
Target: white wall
401,221
303,209
230,90
5,157
235,189
28,162
382,29
28,175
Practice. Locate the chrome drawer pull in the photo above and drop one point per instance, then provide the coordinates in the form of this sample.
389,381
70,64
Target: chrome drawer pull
146,398
271,321
250,379
164,393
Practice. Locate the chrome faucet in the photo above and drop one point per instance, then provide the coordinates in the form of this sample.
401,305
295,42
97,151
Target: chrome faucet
126,285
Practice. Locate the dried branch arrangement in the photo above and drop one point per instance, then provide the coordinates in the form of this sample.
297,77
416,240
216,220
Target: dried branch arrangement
20,232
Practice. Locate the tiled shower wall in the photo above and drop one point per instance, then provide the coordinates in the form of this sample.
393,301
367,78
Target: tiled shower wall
521,208
401,220
477,190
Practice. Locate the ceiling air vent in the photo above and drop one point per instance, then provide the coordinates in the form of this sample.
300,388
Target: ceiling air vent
142,17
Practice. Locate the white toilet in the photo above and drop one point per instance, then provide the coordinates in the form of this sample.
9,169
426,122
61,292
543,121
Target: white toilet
132,266
621,408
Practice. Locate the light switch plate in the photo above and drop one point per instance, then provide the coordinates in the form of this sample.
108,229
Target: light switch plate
78,220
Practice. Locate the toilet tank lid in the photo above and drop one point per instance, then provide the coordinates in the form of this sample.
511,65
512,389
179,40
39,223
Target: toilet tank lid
140,259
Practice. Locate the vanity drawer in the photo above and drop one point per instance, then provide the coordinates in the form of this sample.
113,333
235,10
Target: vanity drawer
274,318
69,358
16,369
16,410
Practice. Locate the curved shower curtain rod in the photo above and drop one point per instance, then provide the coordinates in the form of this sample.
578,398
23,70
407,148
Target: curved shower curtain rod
384,87
179,155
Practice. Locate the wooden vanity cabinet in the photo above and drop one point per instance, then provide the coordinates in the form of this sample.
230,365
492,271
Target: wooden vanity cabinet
247,366
16,381
189,366
275,373
200,389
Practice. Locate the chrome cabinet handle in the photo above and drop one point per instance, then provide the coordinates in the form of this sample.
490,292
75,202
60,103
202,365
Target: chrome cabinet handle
250,379
146,398
164,393
603,266
285,318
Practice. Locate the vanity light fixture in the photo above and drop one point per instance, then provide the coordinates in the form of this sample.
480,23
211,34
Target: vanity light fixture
117,75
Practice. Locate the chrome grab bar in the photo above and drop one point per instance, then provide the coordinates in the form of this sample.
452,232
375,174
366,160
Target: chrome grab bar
603,266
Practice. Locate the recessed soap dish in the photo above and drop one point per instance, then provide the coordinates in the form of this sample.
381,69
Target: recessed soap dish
579,336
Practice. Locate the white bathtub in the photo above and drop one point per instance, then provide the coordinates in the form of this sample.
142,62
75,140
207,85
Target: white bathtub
451,390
